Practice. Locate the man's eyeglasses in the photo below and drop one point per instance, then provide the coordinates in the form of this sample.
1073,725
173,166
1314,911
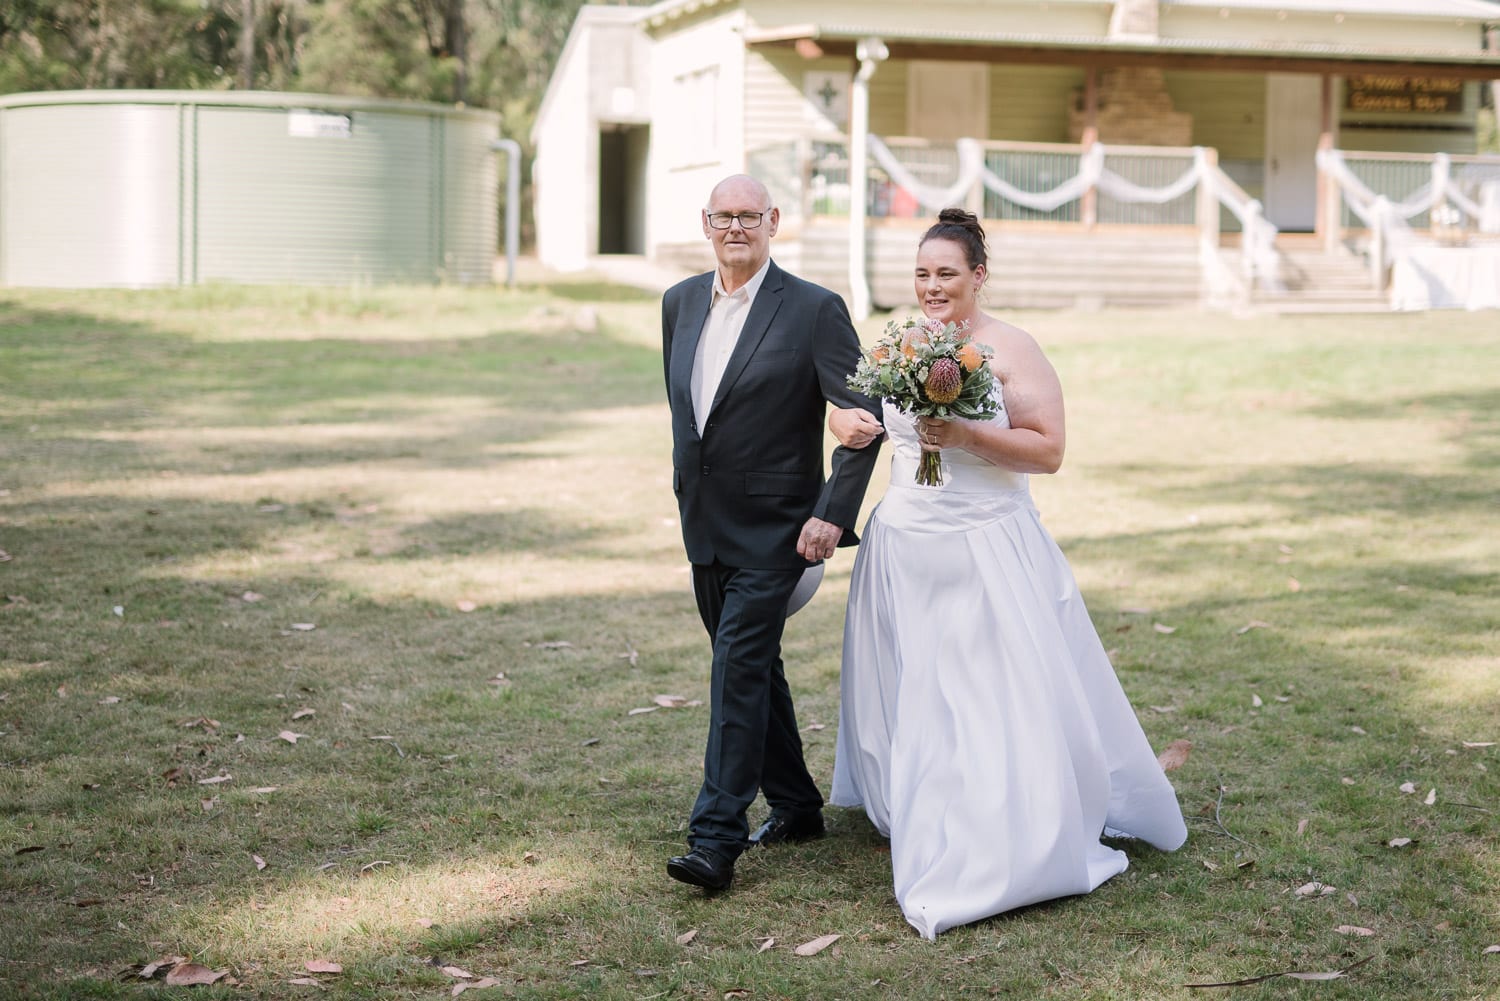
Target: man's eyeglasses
723,220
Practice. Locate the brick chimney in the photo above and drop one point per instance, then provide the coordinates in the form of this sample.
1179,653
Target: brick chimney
1134,110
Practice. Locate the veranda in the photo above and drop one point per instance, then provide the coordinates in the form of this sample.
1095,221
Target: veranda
1155,223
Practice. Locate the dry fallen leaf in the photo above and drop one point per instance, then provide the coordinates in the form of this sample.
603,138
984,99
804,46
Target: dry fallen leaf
1490,950
459,988
466,606
191,974
260,863
303,714
1408,787
1471,744
1252,624
1293,584
304,627
1165,630
1358,729
1165,709
1398,842
1314,889
1174,754
457,972
1347,780
735,993
642,709
555,645
1256,700
816,946
109,700
1355,930
1210,866
669,701
306,982
1301,827
1431,797
322,966
687,937
290,737
765,944
215,780
251,597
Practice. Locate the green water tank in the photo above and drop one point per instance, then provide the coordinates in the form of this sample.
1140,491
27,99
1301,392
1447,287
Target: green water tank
151,188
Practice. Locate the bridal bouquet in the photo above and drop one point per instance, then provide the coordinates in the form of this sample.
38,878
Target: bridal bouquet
928,369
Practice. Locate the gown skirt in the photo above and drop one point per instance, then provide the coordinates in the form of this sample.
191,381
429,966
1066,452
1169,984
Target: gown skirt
981,725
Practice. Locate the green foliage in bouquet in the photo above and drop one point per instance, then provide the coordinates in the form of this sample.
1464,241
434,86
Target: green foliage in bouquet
929,369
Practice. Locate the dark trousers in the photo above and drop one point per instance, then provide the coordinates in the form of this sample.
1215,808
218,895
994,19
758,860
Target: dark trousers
753,742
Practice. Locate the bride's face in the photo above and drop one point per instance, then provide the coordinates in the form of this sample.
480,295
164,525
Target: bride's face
946,285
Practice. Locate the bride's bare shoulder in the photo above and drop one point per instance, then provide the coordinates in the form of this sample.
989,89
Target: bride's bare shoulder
1003,336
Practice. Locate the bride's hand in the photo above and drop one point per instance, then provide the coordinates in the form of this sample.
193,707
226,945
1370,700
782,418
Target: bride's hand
854,427
936,435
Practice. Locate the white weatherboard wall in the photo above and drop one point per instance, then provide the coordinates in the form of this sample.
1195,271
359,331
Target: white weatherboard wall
697,123
565,174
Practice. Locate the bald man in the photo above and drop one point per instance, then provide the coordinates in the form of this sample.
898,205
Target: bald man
752,355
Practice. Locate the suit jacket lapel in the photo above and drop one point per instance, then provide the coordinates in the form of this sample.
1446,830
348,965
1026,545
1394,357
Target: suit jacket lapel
762,312
694,315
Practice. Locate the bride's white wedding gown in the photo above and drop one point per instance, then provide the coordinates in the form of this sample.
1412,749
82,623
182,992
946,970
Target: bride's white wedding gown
981,725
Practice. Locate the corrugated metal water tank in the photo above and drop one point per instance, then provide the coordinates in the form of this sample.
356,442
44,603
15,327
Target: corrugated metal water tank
142,188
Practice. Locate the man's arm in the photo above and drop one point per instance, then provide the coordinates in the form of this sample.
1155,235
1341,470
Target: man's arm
835,356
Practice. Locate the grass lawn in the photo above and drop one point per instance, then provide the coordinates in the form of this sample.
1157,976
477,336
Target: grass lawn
323,614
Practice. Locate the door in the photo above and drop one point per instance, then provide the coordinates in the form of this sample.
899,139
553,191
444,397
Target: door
947,101
1294,103
622,188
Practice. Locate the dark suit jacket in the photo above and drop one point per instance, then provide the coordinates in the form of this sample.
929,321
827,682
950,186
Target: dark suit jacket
747,482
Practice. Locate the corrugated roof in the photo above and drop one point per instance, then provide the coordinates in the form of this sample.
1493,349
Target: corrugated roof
1217,46
1478,9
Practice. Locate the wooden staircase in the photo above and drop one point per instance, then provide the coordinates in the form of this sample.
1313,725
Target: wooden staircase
1317,281
1030,268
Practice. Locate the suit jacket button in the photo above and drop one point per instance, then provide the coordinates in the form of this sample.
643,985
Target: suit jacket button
705,470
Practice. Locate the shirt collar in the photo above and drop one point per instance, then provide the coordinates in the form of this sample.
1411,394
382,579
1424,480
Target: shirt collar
749,288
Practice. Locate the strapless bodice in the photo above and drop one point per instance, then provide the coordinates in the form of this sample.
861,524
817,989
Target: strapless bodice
973,493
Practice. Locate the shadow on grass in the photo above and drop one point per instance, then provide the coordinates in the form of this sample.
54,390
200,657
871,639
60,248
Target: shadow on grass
1472,418
85,373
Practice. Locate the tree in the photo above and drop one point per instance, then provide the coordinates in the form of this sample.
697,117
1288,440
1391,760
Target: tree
76,44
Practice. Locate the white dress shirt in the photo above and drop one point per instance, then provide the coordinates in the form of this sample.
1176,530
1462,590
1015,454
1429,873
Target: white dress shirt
721,332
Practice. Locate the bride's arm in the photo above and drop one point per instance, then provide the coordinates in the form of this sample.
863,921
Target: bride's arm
1036,438
854,427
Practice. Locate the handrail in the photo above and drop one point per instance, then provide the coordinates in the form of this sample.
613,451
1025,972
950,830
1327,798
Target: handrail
1260,263
1390,233
1260,260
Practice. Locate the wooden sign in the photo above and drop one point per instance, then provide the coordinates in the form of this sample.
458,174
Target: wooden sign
1432,95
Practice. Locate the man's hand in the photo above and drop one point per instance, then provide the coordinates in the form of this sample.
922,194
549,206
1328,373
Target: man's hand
818,540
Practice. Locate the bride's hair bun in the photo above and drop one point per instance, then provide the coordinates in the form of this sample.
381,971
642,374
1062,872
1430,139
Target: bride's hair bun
963,229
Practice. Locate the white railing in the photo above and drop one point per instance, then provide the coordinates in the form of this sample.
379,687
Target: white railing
1443,199
928,177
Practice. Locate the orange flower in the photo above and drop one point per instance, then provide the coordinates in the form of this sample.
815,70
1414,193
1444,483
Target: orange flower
881,352
910,340
970,357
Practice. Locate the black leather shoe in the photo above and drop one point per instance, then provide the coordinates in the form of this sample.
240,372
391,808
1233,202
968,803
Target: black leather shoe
783,828
702,867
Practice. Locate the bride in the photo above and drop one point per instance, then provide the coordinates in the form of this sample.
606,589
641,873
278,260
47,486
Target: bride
981,725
